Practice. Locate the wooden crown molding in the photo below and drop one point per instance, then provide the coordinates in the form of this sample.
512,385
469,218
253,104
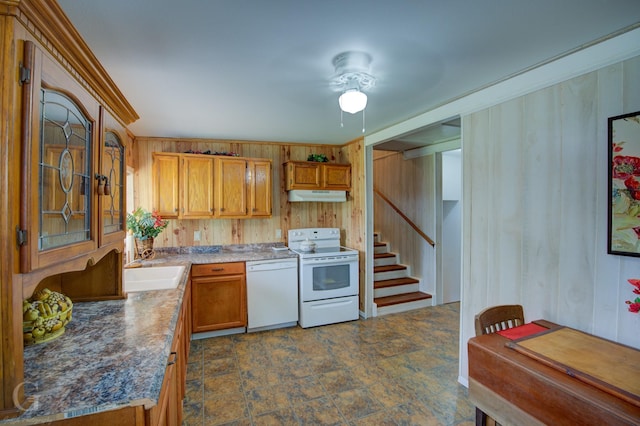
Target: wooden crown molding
46,21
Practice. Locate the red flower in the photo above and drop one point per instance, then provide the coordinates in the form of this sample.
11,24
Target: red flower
159,222
637,231
634,305
625,166
633,185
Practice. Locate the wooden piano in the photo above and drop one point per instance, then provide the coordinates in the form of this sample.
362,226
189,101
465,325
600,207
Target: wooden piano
558,376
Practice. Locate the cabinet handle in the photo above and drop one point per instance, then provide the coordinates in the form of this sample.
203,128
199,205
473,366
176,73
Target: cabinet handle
217,269
222,209
175,210
174,360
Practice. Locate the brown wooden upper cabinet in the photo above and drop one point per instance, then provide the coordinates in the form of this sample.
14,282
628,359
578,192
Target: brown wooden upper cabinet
259,177
166,184
197,186
312,175
231,182
72,204
112,178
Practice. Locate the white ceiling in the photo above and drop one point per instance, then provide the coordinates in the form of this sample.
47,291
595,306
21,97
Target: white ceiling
260,70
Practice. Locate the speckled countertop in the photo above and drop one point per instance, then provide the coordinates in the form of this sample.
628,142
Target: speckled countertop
113,353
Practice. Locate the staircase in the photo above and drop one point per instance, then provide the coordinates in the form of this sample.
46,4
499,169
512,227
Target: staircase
394,289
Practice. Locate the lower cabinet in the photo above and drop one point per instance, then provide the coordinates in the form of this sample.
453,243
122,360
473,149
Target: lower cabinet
168,411
134,416
169,408
218,296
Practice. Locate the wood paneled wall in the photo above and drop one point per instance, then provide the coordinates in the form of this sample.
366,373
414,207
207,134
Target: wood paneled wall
348,216
246,231
535,207
410,185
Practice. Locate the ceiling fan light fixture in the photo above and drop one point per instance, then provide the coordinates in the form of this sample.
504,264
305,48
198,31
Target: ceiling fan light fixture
352,101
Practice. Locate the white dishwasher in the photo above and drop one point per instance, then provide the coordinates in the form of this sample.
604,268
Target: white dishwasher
272,294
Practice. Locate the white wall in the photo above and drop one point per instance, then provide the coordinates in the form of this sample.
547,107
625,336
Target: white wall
451,250
451,241
535,207
452,175
534,225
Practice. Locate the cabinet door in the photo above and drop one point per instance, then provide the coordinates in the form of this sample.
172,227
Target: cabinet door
59,164
336,176
185,340
197,187
231,187
163,414
174,406
111,198
218,302
259,188
302,175
166,181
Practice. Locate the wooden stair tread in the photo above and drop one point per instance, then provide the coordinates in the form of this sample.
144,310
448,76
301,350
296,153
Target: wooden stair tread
382,255
401,298
378,244
388,268
395,282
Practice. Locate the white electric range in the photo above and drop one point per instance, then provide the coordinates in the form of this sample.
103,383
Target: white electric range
328,277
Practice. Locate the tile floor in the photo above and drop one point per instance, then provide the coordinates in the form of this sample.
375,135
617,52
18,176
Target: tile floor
399,369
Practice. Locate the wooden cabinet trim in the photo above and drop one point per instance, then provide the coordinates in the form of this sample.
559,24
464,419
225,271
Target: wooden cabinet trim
58,35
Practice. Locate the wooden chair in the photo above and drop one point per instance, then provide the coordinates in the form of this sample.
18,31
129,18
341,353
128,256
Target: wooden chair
497,318
490,320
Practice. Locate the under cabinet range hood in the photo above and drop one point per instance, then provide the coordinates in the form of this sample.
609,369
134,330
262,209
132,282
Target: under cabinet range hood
317,195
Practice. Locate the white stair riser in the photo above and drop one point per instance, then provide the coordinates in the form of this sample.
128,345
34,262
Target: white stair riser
396,289
391,275
403,307
381,249
385,261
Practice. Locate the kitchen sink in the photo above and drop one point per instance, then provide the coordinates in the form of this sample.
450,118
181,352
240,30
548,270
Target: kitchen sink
152,278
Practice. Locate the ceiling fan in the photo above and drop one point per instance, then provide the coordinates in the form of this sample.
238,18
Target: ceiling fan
351,78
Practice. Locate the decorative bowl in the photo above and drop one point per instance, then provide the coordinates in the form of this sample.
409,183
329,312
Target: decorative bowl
44,315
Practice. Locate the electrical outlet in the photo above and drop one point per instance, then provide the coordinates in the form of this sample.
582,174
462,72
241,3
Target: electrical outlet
196,235
278,233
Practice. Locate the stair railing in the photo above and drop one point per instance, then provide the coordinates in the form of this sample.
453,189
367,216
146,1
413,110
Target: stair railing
402,215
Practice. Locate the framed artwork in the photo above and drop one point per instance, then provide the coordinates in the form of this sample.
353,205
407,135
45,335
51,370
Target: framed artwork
624,185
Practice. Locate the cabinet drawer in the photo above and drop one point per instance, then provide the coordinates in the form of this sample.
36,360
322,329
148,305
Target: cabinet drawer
212,269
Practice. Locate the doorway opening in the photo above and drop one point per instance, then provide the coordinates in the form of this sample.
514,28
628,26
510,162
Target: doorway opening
416,199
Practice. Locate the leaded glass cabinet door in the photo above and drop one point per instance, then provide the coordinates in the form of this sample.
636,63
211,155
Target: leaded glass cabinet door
112,179
65,172
57,205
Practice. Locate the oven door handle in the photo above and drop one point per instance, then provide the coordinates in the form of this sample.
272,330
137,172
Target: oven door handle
338,260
